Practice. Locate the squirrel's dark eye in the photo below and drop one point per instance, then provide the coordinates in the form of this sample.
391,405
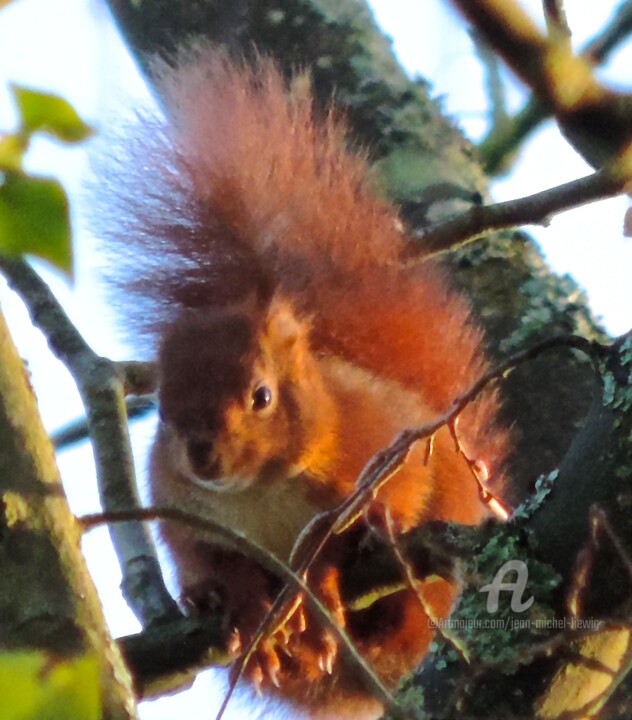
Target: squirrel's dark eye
261,398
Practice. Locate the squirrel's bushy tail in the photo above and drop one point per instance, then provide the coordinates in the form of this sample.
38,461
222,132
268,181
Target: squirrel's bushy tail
242,190
238,181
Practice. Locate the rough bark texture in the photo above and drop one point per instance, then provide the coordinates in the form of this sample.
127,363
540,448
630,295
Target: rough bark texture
47,600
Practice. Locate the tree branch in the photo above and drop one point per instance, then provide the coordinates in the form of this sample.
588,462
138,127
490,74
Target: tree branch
556,22
563,81
616,31
78,430
536,209
493,80
588,473
502,141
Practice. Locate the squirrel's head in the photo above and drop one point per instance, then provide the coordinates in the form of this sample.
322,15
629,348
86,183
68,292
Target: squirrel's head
237,390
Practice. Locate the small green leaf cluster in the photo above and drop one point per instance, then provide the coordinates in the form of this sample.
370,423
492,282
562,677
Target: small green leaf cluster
34,214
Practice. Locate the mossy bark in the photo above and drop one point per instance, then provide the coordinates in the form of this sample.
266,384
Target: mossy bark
48,603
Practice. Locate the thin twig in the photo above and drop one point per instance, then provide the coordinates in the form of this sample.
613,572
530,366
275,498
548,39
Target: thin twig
598,50
382,466
480,475
386,463
494,84
416,587
556,21
584,562
536,209
281,610
599,523
78,430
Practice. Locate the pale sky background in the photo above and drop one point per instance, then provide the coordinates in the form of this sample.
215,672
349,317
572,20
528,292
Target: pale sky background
70,47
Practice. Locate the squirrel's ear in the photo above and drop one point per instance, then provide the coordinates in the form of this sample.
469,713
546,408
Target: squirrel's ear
285,329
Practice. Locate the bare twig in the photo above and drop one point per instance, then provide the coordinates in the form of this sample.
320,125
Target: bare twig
101,388
480,475
502,142
556,22
417,587
599,526
536,209
386,463
78,430
493,80
616,31
382,466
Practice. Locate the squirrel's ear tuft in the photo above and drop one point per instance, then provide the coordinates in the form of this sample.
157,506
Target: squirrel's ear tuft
285,329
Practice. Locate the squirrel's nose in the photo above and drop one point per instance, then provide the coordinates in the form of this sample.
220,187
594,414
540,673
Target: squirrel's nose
203,463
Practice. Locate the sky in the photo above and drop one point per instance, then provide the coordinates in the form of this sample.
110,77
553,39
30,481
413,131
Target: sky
71,48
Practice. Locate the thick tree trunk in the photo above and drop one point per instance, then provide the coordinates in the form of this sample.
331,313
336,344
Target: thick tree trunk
48,604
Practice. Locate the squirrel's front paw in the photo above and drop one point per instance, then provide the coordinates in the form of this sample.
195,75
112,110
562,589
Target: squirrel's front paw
301,643
265,660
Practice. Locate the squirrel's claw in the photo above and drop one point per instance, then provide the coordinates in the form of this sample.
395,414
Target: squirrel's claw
234,644
302,635
327,658
264,667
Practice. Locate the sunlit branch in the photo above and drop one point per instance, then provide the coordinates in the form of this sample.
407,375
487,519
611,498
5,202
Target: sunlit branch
596,120
503,140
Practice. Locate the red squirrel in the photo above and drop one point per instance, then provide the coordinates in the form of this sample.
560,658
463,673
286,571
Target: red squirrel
292,344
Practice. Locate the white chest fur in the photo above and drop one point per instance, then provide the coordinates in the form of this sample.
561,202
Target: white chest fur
271,515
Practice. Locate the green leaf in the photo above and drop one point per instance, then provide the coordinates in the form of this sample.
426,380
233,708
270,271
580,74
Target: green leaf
40,686
34,219
12,149
44,112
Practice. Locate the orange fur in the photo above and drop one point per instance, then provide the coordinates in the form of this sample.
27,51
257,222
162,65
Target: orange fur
291,346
